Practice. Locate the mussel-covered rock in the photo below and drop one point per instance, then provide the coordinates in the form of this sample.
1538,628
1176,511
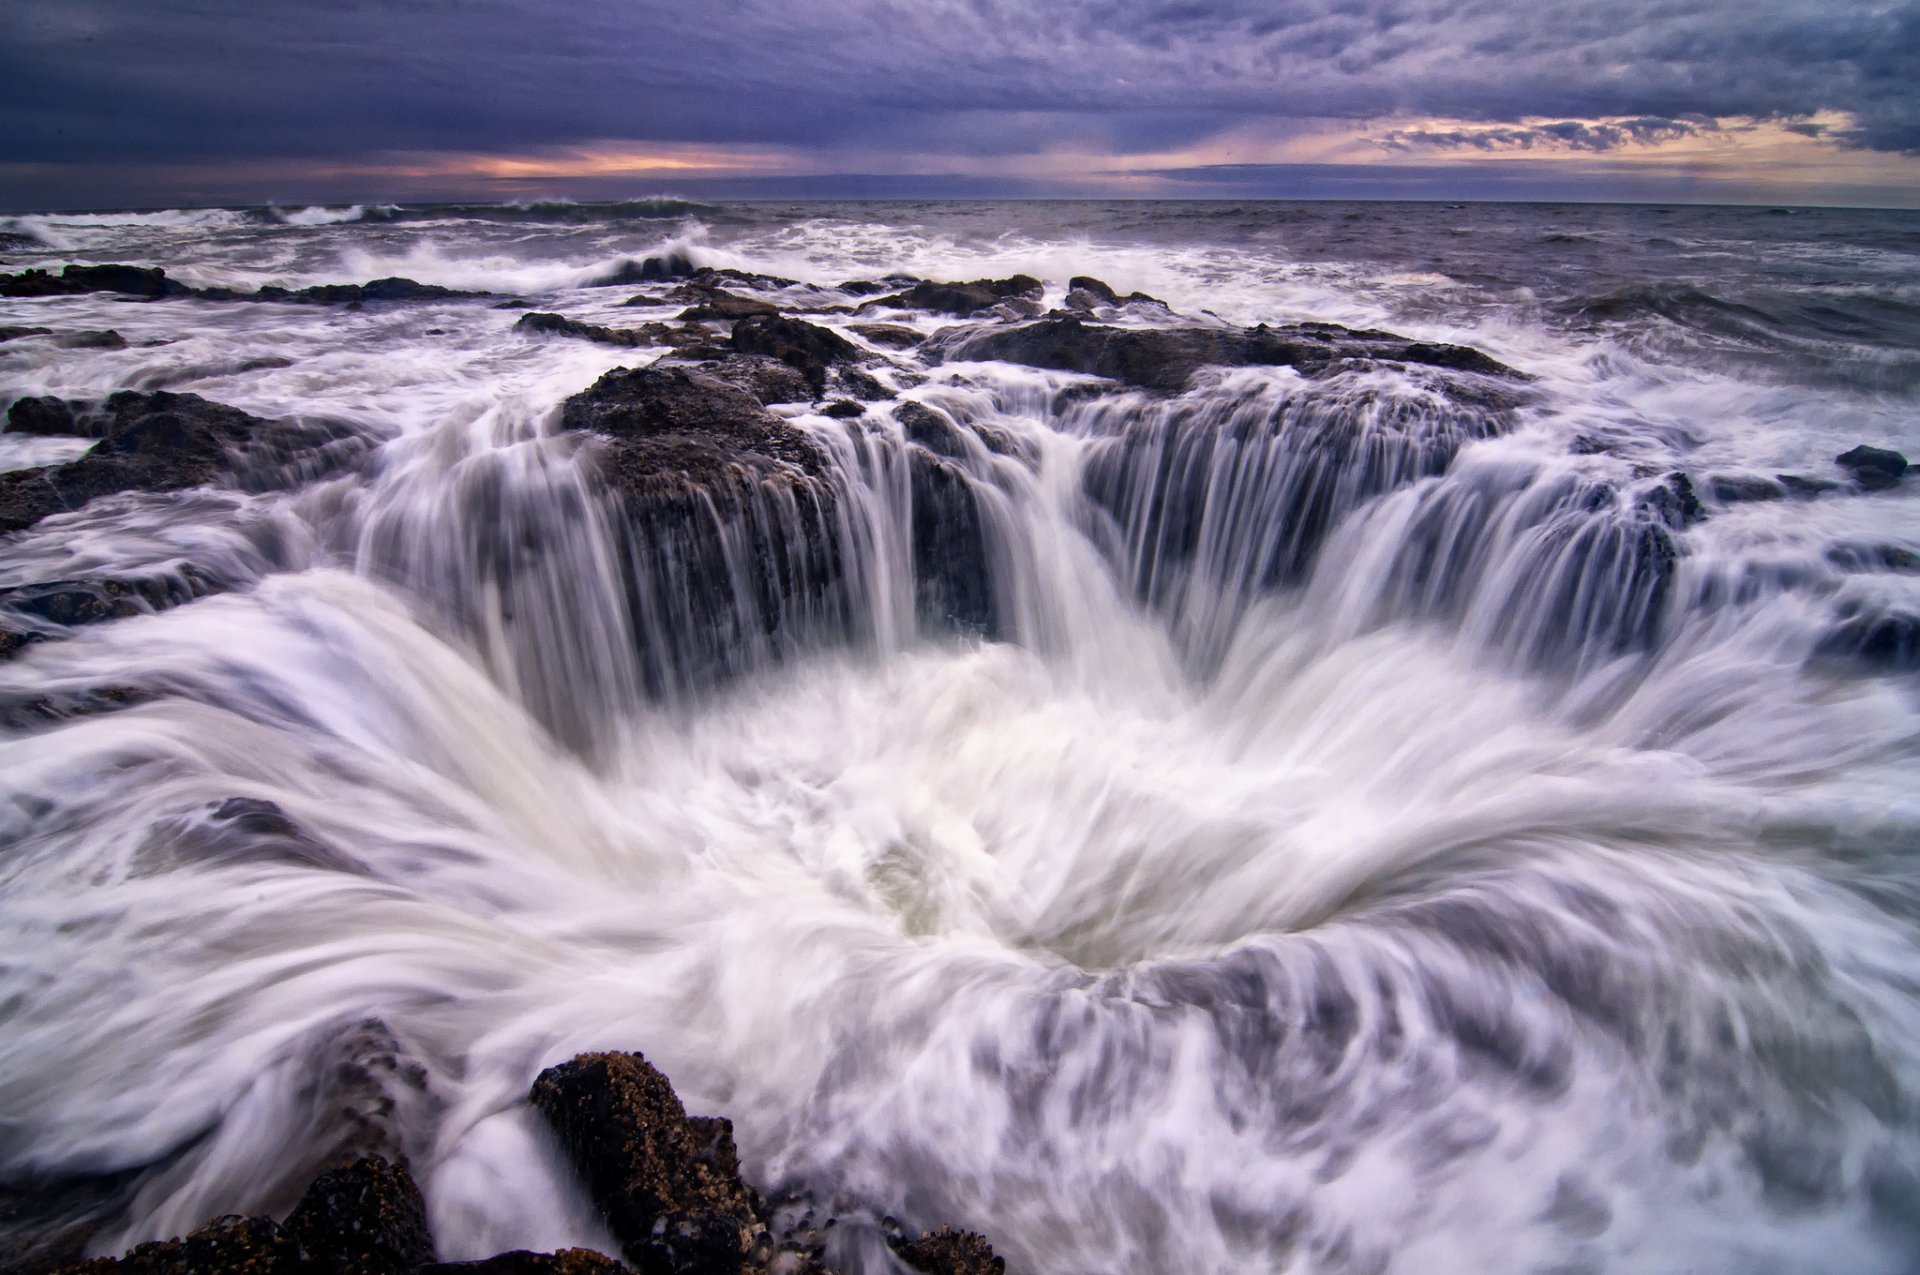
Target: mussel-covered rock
668,1186
950,1252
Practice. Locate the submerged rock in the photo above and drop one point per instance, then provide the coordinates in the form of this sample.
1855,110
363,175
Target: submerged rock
718,303
1167,358
392,288
1874,468
16,333
668,1186
1872,641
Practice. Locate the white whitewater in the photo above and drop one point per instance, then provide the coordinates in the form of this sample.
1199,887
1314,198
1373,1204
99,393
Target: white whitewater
1354,847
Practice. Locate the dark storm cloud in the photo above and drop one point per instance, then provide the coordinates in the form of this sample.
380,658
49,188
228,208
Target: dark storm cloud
101,81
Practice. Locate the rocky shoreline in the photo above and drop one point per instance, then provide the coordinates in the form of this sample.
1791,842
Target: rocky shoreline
705,473
666,1184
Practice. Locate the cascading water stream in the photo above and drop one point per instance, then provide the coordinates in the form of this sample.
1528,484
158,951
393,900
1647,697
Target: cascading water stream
1318,823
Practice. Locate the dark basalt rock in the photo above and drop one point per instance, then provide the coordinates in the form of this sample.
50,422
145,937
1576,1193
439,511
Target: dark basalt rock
153,442
365,1219
950,1252
133,281
1735,489
1872,557
843,410
1804,488
14,334
691,422
559,325
964,300
668,1187
350,294
51,417
892,335
239,1245
14,641
767,379
805,347
1085,293
674,265
34,711
719,304
571,1261
1675,503
1166,358
1874,468
1873,642
69,603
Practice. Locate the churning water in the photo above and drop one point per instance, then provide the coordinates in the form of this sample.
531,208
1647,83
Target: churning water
1347,824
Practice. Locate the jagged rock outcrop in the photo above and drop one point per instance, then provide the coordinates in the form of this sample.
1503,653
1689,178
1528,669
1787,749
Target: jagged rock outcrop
668,1186
150,283
1167,358
964,300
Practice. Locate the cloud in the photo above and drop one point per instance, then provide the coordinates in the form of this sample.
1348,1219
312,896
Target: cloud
859,83
1569,135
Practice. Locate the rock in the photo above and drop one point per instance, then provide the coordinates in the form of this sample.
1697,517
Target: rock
843,410
136,281
1873,642
1872,557
1734,489
14,334
230,1245
966,299
91,340
51,417
674,265
1093,288
153,442
350,294
894,336
687,412
365,1219
1805,488
874,287
559,325
1873,468
14,641
950,1252
720,304
767,379
34,711
805,347
952,584
668,1187
69,603
1166,358
1675,503
571,1261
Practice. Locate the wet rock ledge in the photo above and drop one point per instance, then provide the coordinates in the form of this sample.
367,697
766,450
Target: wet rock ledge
667,1185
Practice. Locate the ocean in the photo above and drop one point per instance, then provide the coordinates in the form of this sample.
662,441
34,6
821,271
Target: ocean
1385,813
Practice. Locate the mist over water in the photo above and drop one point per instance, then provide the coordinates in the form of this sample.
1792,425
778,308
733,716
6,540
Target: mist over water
1360,823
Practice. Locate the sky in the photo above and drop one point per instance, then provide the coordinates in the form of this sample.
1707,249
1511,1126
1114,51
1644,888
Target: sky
165,103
